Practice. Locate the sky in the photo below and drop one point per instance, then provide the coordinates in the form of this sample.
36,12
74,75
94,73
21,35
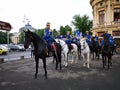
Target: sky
39,12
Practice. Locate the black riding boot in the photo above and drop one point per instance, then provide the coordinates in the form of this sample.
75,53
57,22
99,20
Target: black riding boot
49,50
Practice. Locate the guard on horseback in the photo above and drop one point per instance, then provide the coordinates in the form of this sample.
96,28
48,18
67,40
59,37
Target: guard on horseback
105,36
59,36
75,39
68,40
48,38
96,38
88,39
109,39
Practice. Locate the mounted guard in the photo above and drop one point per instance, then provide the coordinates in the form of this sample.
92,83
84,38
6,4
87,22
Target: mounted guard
88,39
48,38
59,36
68,40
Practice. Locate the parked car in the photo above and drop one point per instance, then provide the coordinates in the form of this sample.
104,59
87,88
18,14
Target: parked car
3,50
20,47
13,47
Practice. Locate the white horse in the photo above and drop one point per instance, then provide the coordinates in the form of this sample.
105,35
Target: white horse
65,51
85,50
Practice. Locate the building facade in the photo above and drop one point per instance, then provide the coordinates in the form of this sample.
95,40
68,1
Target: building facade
15,38
106,16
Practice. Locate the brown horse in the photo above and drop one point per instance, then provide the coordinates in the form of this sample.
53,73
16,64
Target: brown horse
106,54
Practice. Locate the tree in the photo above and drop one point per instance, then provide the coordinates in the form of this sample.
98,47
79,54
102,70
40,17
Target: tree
3,37
82,23
21,37
68,28
54,32
63,30
40,32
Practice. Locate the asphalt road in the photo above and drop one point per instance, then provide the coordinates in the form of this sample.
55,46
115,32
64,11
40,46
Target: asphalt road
19,75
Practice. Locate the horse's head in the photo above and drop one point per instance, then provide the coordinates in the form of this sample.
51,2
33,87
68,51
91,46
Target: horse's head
58,41
83,43
27,39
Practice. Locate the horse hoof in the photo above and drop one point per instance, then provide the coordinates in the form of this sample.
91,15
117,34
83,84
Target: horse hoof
84,65
35,76
88,66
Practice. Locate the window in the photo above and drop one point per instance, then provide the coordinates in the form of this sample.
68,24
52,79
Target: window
116,33
101,17
117,1
117,15
101,4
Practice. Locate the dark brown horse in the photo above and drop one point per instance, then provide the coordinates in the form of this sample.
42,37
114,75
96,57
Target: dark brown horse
106,54
40,49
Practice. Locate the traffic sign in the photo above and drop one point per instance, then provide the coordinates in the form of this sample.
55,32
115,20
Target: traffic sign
5,26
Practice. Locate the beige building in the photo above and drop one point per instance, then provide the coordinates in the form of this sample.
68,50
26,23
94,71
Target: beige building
106,16
15,37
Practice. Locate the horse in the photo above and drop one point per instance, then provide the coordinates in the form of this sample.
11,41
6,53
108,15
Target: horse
40,49
85,50
65,51
95,48
106,54
57,50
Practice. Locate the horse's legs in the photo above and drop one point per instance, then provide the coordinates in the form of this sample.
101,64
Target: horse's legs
103,61
66,59
72,57
60,61
56,64
57,61
93,55
37,63
76,54
108,62
84,63
44,66
88,60
53,59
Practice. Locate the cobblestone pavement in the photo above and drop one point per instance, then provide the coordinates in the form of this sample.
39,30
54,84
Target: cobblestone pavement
19,75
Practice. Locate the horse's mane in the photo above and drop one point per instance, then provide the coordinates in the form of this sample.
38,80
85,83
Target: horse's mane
36,37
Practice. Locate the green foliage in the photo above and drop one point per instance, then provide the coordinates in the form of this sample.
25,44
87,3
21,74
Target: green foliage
63,30
3,37
21,37
40,32
82,23
54,32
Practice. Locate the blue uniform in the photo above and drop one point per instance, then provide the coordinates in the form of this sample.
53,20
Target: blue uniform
59,36
111,41
68,41
96,38
102,43
75,40
48,36
106,36
88,39
88,36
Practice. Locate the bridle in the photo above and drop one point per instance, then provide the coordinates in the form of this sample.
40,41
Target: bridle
84,45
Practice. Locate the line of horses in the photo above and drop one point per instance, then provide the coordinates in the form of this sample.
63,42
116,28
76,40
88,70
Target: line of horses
60,48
